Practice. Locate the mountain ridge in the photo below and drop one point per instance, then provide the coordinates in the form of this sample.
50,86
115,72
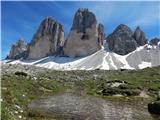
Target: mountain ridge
85,40
142,57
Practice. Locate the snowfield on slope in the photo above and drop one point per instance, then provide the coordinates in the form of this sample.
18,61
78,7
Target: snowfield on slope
141,58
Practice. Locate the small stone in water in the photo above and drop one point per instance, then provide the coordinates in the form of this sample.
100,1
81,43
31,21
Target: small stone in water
16,112
21,111
17,106
20,116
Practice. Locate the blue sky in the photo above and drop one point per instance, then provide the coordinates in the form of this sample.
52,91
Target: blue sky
21,19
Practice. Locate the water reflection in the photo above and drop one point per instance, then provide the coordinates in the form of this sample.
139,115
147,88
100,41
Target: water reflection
133,110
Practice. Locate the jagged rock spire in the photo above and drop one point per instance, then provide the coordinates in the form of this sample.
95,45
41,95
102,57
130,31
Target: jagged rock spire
48,40
83,37
139,36
121,40
18,50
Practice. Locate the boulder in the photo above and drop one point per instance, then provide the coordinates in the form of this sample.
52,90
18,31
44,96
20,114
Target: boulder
18,50
48,40
121,40
83,37
154,107
139,36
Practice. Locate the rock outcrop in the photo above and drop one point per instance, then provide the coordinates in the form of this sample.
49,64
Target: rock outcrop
84,34
154,107
48,40
154,41
121,41
85,38
139,36
18,50
101,35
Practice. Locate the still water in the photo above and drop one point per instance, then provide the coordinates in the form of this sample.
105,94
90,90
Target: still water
131,110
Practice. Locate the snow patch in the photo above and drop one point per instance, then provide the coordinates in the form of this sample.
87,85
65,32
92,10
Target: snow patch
144,65
99,60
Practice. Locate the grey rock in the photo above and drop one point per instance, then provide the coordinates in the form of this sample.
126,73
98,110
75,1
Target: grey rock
83,37
29,69
70,106
154,41
83,19
18,50
121,40
154,107
48,40
101,35
139,36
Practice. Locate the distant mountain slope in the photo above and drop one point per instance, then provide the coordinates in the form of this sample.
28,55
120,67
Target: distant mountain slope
142,57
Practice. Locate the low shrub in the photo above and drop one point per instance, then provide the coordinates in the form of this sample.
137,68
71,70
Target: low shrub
129,86
21,73
129,92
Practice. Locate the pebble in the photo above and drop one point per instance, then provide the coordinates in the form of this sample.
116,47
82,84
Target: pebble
1,99
16,112
20,116
17,106
21,111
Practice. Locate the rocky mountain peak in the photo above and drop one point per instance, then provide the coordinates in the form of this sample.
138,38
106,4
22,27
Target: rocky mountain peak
83,19
82,10
83,37
48,40
48,25
154,41
20,41
123,29
121,40
18,50
139,36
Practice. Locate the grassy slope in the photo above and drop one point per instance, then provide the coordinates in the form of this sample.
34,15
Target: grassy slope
147,80
20,90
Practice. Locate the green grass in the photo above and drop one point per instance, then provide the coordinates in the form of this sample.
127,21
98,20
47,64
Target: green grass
147,79
21,89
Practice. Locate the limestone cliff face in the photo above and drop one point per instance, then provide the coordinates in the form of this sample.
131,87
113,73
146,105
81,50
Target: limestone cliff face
48,40
139,36
121,40
18,50
83,37
155,41
101,35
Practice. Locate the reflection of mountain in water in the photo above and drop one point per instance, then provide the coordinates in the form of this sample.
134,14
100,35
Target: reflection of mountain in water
80,107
